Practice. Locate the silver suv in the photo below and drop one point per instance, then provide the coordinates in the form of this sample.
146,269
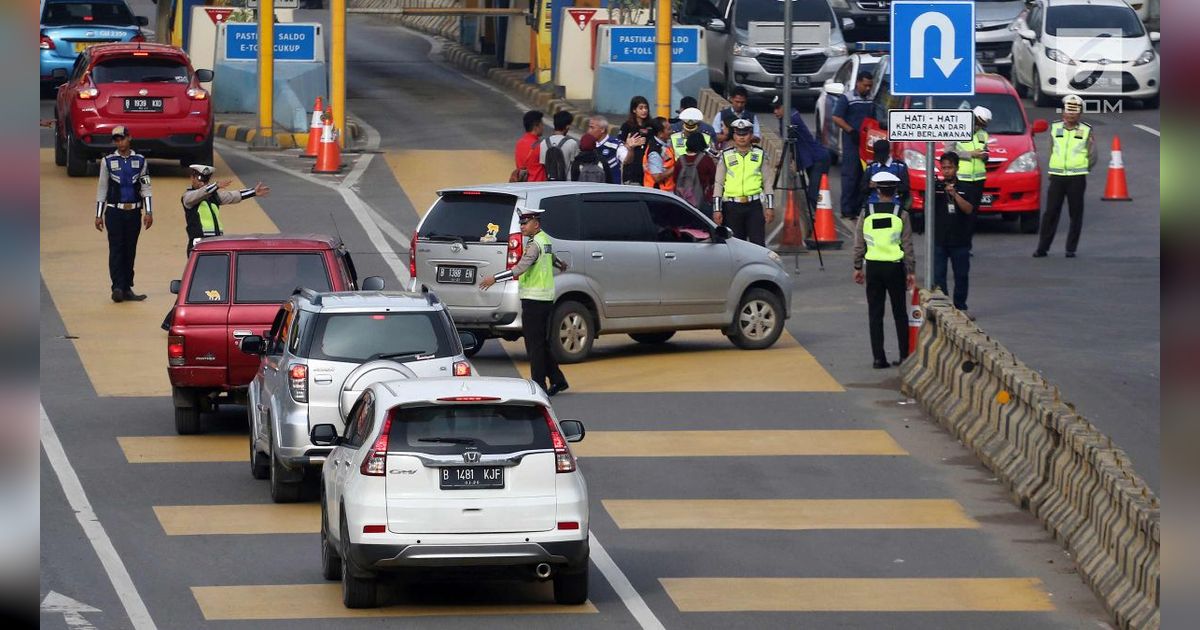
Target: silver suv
641,262
318,356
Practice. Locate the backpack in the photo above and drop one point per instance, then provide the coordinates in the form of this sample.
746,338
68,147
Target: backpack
556,161
591,172
687,181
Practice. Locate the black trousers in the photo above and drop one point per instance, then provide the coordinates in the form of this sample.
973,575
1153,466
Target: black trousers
886,280
124,227
746,220
1071,189
535,327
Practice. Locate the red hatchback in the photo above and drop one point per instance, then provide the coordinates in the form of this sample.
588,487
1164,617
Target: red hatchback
149,88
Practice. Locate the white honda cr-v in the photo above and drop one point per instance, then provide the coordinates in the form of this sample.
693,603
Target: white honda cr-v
444,473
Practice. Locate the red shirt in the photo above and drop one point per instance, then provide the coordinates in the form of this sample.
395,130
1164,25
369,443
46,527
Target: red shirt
527,156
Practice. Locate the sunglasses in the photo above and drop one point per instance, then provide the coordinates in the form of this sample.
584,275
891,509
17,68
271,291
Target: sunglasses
526,220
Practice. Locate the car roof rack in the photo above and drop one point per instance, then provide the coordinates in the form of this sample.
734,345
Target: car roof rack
430,296
308,294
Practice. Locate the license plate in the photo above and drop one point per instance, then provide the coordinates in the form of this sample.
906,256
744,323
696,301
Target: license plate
143,104
987,200
82,46
987,54
472,477
455,275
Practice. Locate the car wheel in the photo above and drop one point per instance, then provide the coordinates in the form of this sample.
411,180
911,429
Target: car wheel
187,419
60,147
260,466
331,562
1039,97
1153,102
205,156
654,337
357,592
1028,222
283,491
470,352
77,163
571,332
1022,89
571,589
758,321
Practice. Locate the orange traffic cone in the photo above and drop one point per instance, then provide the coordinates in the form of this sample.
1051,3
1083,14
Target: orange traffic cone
1114,188
915,316
315,129
329,155
792,237
824,232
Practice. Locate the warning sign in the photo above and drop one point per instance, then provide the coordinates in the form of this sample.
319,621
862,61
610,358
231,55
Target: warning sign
582,17
929,125
218,14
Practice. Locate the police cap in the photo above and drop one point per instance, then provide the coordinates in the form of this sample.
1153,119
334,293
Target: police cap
742,126
121,131
202,170
691,115
884,179
1072,104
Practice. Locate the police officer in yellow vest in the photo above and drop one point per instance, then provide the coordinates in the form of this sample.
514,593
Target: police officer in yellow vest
973,156
202,203
1072,155
535,275
742,186
884,240
690,120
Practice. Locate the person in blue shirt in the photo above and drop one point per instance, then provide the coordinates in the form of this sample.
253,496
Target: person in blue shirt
811,157
849,112
883,162
607,146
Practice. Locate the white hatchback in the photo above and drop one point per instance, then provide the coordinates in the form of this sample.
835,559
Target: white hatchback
445,473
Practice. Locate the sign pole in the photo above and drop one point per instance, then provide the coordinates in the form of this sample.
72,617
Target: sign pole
930,182
266,75
662,57
785,162
337,67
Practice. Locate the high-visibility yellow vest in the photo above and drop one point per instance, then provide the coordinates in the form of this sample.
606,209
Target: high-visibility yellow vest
972,169
537,283
882,231
210,218
743,173
1068,149
679,141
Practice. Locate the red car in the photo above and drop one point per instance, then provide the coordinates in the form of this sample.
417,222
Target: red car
149,88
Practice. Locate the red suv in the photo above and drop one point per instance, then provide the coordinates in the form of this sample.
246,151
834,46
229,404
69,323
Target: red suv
149,88
232,287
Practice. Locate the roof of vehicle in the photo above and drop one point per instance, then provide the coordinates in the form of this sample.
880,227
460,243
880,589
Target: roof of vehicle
550,189
374,301
392,393
990,83
1102,3
251,242
118,49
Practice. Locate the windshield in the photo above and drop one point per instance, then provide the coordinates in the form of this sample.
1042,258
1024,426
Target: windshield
772,11
362,337
140,70
271,278
450,429
467,216
1007,118
87,14
1085,20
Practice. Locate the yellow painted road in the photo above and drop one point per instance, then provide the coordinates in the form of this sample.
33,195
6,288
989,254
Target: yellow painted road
263,518
122,347
179,449
422,173
789,514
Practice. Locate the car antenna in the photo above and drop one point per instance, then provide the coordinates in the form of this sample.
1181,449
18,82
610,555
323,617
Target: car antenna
336,230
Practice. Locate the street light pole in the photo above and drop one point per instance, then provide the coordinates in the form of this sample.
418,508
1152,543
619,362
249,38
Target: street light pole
786,92
337,67
662,57
930,182
266,74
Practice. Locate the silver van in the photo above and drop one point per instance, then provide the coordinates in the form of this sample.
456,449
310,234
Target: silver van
642,262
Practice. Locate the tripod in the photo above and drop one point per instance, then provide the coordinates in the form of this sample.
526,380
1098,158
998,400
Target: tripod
785,160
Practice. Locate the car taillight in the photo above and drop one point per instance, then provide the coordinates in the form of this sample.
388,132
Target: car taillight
515,248
197,94
568,524
47,43
462,368
374,529
89,93
564,461
375,462
175,350
412,256
298,382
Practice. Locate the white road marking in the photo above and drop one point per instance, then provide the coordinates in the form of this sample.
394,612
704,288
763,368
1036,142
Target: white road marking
139,616
71,610
629,595
1151,130
435,50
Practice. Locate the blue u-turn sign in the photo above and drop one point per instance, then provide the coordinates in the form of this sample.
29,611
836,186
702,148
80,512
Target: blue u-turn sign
933,48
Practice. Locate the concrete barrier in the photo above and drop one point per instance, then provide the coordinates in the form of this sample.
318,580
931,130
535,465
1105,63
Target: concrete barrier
297,85
443,25
1051,460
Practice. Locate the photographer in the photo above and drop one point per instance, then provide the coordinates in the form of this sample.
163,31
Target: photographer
953,212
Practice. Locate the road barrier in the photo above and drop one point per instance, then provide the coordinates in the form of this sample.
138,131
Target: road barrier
1051,459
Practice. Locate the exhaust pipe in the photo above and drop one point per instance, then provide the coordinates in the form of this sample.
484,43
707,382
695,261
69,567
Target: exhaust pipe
543,571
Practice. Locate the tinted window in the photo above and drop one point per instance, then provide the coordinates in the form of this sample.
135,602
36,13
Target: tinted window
843,74
489,428
674,223
268,278
361,337
561,217
772,11
275,339
87,14
299,325
140,70
360,420
1035,19
1085,20
468,216
210,280
615,218
1006,110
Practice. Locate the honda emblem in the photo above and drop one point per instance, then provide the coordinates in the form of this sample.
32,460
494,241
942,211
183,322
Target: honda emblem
471,456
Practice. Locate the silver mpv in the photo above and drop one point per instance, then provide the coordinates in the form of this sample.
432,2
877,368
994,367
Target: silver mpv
641,262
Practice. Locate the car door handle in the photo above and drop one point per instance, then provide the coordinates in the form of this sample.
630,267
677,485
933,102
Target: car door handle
598,255
323,379
669,255
238,334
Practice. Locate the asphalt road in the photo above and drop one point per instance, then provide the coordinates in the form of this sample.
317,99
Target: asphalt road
921,536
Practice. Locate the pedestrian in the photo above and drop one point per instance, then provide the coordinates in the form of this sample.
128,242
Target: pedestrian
812,158
723,121
882,161
558,151
122,195
658,161
742,184
695,171
1072,155
203,200
686,103
589,165
973,156
884,240
849,111
691,120
634,134
534,274
607,145
526,155
952,230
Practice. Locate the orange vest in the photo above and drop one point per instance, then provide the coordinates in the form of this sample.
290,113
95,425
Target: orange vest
668,156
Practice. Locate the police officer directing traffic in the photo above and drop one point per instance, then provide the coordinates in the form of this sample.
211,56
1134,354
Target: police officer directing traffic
203,200
691,120
884,240
742,184
973,157
121,196
535,276
1072,155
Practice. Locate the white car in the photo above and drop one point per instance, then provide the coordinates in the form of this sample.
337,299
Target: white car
993,33
1097,49
444,473
865,56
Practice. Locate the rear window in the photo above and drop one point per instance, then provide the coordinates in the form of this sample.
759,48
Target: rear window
210,280
467,217
87,14
450,429
1007,116
362,337
140,70
271,278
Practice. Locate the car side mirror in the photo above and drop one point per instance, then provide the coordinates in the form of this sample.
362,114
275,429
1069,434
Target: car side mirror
848,24
143,20
834,87
253,344
175,285
1155,36
324,435
470,342
371,283
716,24
59,73
204,76
1027,34
573,430
1041,125
722,233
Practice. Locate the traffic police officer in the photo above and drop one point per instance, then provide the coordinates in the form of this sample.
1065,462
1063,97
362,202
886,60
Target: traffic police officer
884,240
121,196
535,275
742,183
691,121
973,157
1072,155
202,203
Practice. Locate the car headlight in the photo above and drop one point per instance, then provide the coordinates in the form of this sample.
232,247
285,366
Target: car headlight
742,50
837,50
840,4
1026,163
1059,56
1145,57
914,160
